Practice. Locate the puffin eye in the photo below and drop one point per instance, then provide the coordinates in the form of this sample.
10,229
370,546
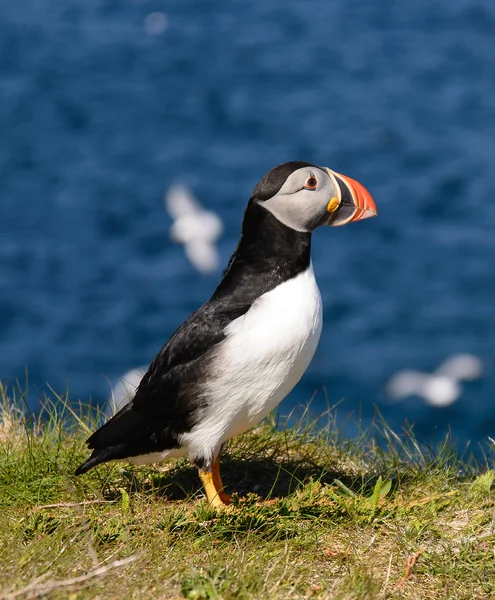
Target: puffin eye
311,183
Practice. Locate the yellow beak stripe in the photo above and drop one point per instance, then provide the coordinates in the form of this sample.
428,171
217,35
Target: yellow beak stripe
333,205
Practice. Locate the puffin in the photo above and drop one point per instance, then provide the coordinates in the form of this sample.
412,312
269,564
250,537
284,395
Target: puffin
235,358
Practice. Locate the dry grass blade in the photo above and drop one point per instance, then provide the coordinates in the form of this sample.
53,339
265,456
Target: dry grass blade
411,561
74,504
37,589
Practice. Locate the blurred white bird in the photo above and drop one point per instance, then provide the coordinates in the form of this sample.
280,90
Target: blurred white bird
440,388
124,390
195,227
155,23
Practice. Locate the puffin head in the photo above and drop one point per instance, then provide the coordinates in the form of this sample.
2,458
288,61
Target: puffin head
304,196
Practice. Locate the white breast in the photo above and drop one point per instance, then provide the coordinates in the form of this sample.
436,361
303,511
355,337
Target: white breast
264,355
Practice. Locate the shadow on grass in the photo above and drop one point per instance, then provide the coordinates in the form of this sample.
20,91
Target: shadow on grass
265,477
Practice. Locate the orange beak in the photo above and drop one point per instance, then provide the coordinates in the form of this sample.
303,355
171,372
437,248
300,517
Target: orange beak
356,202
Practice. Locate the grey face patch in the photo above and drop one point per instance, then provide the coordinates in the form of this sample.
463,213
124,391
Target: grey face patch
298,206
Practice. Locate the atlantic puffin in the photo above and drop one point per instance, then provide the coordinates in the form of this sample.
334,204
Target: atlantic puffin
238,355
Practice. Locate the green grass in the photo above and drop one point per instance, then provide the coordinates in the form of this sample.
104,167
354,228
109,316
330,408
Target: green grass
317,517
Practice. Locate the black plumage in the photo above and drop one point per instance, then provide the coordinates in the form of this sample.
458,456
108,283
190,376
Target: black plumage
168,400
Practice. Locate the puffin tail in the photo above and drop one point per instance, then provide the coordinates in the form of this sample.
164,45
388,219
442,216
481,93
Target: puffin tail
97,457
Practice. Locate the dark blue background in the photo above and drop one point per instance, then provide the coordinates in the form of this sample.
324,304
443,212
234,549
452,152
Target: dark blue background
98,117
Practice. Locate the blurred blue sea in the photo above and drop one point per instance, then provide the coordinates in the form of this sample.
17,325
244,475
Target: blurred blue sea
103,105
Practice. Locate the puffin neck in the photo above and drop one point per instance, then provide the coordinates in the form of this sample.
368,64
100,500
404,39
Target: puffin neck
267,249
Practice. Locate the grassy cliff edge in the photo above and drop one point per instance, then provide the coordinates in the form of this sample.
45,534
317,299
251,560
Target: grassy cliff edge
317,516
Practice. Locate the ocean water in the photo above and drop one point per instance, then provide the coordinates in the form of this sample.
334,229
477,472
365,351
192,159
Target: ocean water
103,105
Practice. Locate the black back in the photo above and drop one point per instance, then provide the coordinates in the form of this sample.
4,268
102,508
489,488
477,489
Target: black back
168,399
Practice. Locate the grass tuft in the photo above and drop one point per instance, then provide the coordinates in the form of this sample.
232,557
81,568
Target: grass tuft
314,516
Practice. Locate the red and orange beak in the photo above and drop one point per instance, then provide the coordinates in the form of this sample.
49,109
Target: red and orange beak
355,202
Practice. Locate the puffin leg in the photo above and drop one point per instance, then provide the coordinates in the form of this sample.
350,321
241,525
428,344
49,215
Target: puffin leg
217,482
211,492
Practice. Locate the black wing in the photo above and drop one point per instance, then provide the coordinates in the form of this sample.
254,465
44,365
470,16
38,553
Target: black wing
166,400
168,397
